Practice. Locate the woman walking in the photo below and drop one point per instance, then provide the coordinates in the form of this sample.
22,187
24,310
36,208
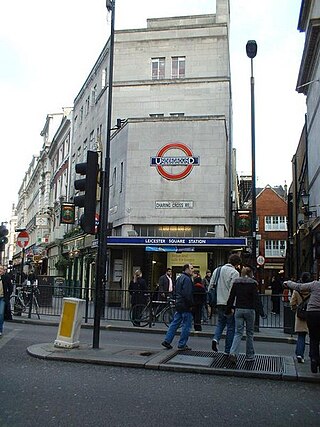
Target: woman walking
313,318
244,294
300,326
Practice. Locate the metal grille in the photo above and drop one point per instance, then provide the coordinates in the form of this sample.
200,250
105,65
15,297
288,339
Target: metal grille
261,364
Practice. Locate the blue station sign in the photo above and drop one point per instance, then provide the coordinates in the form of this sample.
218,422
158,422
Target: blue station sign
177,241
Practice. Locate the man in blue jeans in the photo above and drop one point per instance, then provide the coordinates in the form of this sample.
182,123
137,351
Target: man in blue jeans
228,273
183,315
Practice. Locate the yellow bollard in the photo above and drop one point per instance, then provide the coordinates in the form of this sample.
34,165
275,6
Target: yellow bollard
70,323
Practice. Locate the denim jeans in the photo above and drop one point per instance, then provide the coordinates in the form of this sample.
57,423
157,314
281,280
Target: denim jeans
301,344
244,316
224,321
185,319
1,313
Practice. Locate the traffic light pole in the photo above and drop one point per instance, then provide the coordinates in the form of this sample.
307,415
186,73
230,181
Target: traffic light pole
102,256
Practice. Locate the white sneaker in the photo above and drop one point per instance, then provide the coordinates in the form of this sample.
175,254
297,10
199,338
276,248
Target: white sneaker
300,359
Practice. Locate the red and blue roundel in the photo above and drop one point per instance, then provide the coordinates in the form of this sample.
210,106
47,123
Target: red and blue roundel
183,163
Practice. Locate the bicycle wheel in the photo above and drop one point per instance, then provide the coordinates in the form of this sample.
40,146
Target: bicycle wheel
167,315
16,305
140,315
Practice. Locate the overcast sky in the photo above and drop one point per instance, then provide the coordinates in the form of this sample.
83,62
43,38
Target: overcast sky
47,49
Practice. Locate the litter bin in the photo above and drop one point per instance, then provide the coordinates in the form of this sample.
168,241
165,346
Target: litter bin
288,319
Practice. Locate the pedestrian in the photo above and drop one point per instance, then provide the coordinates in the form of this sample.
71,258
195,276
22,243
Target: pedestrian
5,292
138,291
243,302
8,280
205,310
228,273
31,277
300,325
276,292
182,316
313,318
165,285
199,299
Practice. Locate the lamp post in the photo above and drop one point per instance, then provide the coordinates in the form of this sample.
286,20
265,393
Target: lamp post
251,49
102,256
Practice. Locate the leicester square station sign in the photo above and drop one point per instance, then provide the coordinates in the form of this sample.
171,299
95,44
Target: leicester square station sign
186,161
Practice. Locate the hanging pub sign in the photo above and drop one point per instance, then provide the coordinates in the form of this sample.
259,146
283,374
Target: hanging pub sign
67,215
243,224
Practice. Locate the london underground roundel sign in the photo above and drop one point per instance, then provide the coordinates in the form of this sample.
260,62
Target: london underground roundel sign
166,163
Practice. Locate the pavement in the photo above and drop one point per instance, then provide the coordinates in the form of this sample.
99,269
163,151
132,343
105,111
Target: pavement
272,366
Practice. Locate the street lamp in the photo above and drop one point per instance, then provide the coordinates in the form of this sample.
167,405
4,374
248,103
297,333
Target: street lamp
251,49
102,255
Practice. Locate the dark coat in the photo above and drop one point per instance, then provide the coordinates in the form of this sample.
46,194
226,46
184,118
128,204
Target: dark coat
7,291
138,291
199,293
184,293
164,284
7,286
276,285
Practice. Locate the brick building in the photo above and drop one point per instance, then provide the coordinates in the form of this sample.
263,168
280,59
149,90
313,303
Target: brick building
271,231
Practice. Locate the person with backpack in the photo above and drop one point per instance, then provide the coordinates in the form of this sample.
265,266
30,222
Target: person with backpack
227,274
300,325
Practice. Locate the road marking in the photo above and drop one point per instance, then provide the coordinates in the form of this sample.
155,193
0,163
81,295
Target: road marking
8,336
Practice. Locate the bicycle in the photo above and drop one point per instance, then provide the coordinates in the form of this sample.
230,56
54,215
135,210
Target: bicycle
147,314
24,299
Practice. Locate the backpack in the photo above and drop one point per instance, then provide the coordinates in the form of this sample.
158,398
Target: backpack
302,308
212,294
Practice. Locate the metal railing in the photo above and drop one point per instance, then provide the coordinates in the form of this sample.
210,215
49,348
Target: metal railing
117,305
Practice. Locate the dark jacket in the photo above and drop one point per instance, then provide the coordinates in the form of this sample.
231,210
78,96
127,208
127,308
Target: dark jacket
244,294
184,293
276,285
138,291
7,286
164,284
199,293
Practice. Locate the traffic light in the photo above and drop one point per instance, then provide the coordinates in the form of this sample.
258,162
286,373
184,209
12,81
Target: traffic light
89,186
3,239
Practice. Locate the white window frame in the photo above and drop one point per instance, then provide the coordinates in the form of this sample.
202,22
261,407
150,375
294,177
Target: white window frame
272,248
275,223
158,68
177,70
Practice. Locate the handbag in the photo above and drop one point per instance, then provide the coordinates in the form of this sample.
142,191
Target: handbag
212,293
302,308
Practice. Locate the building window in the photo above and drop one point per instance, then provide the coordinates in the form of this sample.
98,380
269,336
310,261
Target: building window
275,248
121,177
177,114
156,115
178,67
93,95
158,68
87,105
275,223
104,78
114,181
91,141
